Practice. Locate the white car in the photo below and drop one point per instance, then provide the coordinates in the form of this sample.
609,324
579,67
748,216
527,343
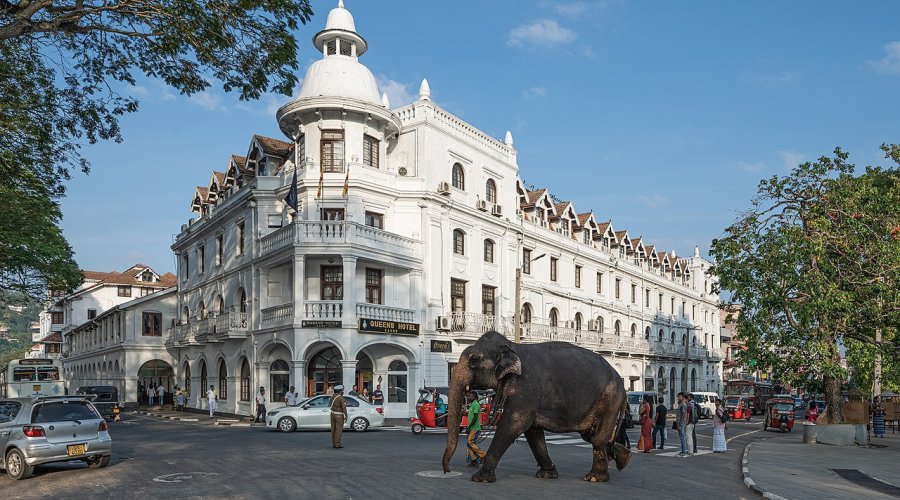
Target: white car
315,413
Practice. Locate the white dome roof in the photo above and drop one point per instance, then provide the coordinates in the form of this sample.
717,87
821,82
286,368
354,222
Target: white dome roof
340,77
340,19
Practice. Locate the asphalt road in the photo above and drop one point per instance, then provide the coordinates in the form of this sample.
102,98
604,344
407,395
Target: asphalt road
164,459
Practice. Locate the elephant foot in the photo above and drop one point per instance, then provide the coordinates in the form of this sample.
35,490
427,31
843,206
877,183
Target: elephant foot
596,476
621,455
547,473
483,476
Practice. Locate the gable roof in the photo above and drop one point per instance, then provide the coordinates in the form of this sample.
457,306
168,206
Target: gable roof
274,147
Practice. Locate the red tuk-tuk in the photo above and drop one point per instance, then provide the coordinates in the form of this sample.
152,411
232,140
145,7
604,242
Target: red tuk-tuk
738,408
431,409
780,414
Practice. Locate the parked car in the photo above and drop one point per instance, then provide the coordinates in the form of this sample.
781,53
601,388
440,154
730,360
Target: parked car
707,403
315,413
51,429
798,404
634,404
105,398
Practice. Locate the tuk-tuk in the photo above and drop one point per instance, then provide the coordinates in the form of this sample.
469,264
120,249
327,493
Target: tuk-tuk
431,409
738,408
780,414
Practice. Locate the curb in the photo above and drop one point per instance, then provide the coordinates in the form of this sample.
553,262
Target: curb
748,481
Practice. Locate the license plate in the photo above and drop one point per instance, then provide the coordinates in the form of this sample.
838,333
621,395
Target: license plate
76,449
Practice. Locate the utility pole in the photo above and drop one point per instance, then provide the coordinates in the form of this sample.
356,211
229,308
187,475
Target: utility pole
517,314
876,380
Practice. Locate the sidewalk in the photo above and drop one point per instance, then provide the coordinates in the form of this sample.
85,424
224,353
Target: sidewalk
193,416
781,466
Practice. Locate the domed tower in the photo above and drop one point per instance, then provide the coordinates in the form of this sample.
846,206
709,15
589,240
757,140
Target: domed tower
339,117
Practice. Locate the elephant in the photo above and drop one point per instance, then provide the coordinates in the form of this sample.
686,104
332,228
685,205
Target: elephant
552,386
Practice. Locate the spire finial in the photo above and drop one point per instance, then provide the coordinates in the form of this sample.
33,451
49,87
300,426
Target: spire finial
508,140
384,101
696,251
424,91
340,4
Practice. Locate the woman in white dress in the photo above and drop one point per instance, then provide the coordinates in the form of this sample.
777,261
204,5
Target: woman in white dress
719,443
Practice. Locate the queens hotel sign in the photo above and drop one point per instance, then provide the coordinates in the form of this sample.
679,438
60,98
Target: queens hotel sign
389,327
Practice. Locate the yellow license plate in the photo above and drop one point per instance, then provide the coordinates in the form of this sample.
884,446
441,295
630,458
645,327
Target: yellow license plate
76,449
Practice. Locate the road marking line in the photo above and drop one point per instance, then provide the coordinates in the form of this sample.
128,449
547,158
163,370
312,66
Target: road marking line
741,435
566,441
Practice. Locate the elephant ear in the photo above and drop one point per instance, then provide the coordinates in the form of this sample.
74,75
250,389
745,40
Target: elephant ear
508,363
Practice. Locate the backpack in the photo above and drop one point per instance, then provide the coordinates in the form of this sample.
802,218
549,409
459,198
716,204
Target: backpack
724,416
695,412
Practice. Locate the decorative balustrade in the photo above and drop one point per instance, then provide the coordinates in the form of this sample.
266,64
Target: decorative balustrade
338,232
232,325
474,325
378,311
277,315
277,239
323,309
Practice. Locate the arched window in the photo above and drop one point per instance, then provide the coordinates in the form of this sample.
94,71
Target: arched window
187,376
459,242
578,321
397,366
662,373
202,310
694,340
459,177
324,370
673,337
647,333
220,305
600,324
397,378
660,335
223,380
204,380
617,328
242,301
489,251
279,380
490,191
245,380
526,313
185,316
633,330
554,317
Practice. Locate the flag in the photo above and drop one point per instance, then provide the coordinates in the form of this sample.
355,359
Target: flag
346,189
321,182
291,198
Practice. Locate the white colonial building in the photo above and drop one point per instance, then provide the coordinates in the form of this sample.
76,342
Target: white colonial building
411,224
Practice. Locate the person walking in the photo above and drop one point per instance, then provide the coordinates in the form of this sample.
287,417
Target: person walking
151,394
646,425
378,396
338,416
161,394
692,423
290,397
260,406
878,414
474,454
720,445
659,426
212,400
681,420
180,400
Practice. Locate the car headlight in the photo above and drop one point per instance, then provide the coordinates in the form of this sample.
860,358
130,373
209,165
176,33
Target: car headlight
272,413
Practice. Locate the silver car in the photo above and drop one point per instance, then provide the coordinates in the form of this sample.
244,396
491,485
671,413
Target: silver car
51,429
315,413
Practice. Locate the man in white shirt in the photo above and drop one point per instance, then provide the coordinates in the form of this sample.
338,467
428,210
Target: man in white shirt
212,399
161,392
261,406
289,398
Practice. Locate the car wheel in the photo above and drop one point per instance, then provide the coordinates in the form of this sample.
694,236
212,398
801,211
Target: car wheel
16,467
359,424
417,428
287,424
99,463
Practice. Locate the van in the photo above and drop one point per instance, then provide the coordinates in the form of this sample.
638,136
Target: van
707,403
634,403
104,397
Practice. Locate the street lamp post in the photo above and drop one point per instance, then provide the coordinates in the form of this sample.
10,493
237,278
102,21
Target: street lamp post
687,339
517,318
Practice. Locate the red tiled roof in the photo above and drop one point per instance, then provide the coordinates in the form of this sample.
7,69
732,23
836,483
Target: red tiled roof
274,147
534,196
240,161
129,277
583,218
220,177
561,207
53,337
620,235
603,226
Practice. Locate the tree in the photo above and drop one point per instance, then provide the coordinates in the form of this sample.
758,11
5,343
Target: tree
65,67
808,263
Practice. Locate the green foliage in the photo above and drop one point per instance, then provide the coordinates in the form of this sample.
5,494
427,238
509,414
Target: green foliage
61,64
19,330
815,265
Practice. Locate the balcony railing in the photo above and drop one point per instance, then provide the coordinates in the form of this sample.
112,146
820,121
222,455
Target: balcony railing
278,315
183,334
474,325
339,232
323,309
378,311
232,325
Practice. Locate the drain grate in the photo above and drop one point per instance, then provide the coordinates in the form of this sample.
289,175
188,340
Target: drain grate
866,481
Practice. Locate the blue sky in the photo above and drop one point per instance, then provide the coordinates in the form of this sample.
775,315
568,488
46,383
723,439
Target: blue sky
662,116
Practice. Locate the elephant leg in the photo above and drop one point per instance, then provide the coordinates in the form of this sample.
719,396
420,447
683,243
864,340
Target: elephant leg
604,449
538,445
503,438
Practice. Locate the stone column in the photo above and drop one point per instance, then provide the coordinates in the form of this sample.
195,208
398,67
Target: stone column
349,316
348,366
299,285
417,296
298,376
413,376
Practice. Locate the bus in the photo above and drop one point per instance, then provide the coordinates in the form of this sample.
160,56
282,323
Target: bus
757,393
32,377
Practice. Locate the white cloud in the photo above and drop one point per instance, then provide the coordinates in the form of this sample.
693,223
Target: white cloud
535,92
208,100
890,63
654,200
541,32
751,167
398,93
577,8
790,159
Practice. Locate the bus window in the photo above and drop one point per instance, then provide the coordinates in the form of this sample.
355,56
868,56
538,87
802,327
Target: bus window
48,373
21,374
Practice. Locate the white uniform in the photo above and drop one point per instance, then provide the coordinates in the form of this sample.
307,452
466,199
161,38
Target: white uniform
291,400
211,396
161,392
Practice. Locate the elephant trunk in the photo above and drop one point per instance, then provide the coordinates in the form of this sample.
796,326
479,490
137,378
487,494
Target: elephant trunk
458,381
